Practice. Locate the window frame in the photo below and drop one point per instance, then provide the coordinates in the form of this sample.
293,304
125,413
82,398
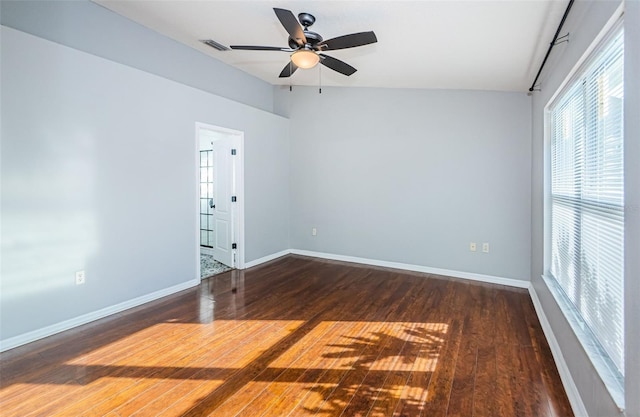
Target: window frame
604,365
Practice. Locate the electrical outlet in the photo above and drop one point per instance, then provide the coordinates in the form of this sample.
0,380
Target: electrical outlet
485,247
314,231
472,246
80,277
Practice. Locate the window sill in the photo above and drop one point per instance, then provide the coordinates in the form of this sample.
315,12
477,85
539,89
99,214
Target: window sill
612,379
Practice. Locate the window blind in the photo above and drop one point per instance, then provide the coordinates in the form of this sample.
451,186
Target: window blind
587,196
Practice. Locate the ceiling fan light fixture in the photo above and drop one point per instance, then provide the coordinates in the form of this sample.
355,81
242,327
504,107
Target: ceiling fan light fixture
305,59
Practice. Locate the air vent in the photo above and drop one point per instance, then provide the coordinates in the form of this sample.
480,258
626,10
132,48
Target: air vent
215,45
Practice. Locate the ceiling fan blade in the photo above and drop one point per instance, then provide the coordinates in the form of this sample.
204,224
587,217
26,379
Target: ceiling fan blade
336,65
288,70
291,24
260,48
348,41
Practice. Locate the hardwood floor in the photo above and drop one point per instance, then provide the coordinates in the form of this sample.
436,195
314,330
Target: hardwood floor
298,336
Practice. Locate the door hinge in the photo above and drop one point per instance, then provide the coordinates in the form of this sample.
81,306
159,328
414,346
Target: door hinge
233,199
233,151
234,246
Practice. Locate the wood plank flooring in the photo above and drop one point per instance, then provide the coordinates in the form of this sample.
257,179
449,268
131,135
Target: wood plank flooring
298,337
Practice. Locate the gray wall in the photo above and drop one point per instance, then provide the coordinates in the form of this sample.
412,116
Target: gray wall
632,196
585,21
412,176
89,146
89,27
98,173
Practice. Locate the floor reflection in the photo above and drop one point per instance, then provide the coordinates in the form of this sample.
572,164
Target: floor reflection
297,337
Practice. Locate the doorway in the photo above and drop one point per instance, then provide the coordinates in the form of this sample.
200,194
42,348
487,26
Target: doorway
220,205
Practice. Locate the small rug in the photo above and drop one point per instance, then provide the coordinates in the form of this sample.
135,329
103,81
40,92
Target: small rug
209,266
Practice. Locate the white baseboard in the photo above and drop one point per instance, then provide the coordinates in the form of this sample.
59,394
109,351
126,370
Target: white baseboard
206,251
577,405
34,335
417,268
86,318
266,258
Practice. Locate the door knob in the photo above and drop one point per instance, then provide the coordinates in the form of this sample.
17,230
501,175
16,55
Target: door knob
211,203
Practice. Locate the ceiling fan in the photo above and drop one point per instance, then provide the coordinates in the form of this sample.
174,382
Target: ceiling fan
307,47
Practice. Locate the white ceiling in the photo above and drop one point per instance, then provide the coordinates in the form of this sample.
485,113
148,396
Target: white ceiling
477,44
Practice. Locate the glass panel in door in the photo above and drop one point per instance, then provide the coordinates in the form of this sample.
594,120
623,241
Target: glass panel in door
206,198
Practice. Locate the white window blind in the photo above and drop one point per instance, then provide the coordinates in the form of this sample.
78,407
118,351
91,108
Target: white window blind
587,196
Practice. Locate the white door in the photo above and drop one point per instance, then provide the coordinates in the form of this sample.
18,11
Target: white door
223,192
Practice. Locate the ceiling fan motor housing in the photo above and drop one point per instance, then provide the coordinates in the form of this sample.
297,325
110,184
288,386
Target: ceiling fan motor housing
313,39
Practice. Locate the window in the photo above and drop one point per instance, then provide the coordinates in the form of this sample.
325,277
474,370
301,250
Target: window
587,195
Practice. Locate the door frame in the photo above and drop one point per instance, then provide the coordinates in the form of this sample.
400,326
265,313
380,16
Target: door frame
238,191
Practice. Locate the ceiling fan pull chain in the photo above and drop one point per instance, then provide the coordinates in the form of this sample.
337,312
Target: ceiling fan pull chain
319,79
